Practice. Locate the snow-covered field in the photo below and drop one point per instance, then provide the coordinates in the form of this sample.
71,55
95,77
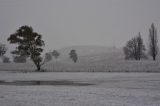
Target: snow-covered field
107,89
101,66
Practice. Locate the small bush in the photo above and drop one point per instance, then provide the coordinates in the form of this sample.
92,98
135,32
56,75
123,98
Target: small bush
6,60
19,59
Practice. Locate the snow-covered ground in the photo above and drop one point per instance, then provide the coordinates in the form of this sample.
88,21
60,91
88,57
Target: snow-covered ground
108,89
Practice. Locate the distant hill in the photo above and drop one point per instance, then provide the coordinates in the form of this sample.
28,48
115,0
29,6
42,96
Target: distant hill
90,59
86,50
92,53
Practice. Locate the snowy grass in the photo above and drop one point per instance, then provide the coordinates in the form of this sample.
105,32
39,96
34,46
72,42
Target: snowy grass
109,89
100,66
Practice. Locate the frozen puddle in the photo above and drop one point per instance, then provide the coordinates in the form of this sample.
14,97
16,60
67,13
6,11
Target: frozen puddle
53,83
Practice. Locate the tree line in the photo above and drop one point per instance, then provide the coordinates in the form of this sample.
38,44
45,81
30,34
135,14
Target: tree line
135,48
30,45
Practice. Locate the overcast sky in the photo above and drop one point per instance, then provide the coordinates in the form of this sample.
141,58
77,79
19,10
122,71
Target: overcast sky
80,22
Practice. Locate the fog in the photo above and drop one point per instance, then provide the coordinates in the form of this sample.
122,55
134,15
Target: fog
80,22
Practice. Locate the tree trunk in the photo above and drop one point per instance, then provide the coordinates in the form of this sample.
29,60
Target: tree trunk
154,58
136,58
38,68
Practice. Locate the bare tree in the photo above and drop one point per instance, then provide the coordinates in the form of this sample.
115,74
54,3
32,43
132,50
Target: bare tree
153,42
130,50
141,47
135,49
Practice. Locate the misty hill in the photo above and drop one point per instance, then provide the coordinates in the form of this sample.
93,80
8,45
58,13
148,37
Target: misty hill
92,53
86,50
91,59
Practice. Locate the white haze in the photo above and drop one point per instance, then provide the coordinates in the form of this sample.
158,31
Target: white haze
66,23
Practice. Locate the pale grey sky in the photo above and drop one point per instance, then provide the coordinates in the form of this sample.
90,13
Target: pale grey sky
80,22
